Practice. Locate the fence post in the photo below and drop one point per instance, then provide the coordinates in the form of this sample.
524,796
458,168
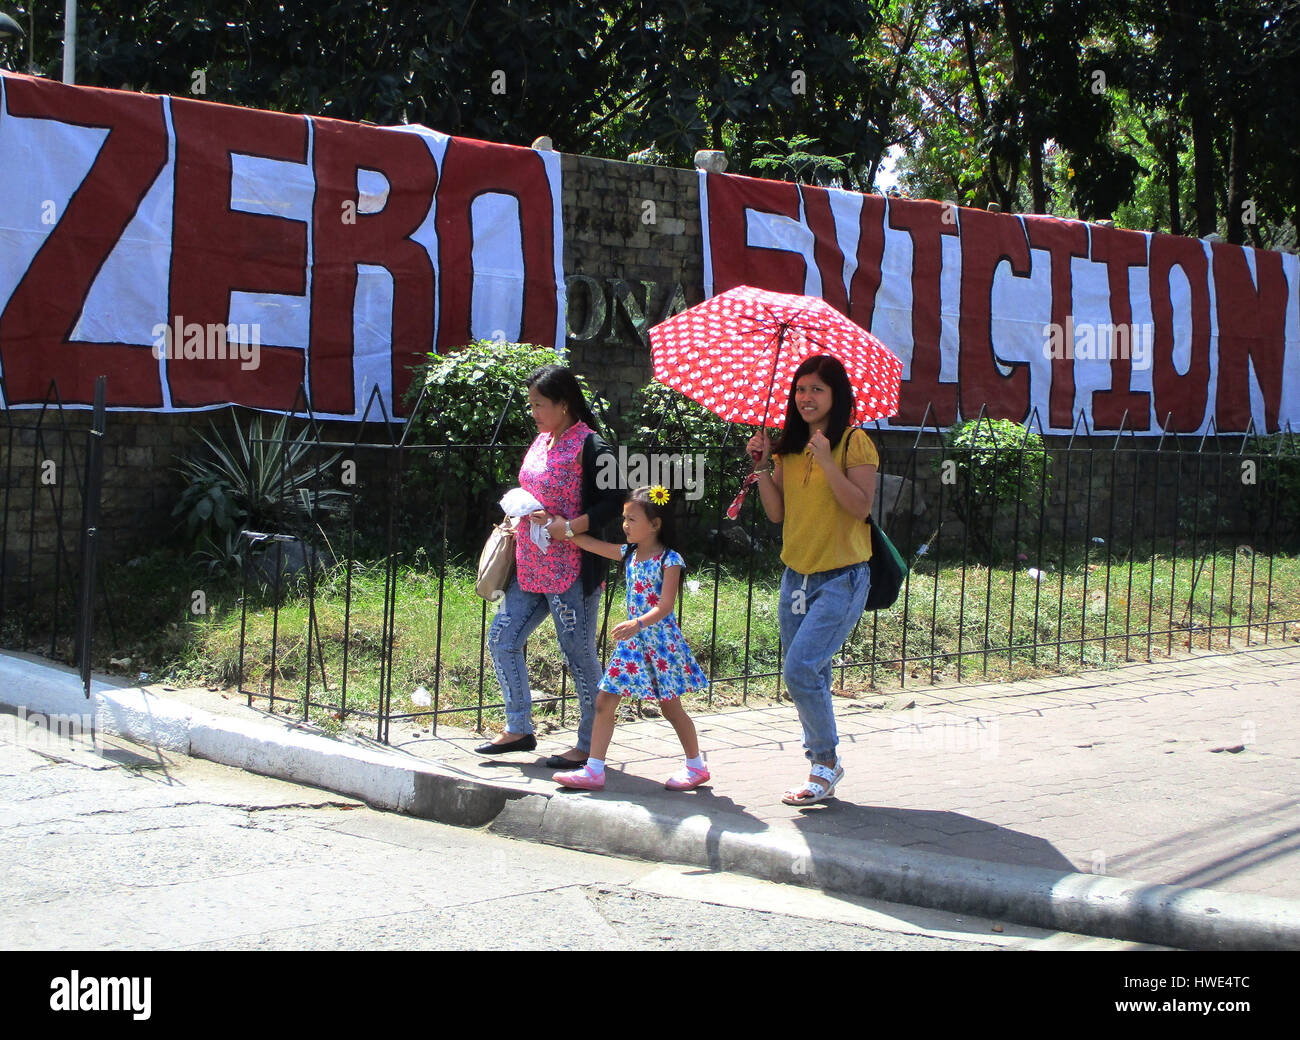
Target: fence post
90,532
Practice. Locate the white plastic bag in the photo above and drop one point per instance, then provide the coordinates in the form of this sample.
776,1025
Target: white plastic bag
518,502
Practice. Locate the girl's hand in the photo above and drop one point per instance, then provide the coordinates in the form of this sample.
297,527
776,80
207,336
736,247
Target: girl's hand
556,529
540,517
759,448
821,448
625,630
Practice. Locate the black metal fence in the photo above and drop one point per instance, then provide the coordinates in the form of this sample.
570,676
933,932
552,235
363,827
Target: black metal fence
1083,551
52,469
1024,554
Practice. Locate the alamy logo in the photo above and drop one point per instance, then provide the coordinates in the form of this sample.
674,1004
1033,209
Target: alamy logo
189,341
943,733
634,469
32,729
102,994
1089,341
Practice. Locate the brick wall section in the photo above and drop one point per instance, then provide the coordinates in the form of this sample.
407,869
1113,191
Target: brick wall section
140,486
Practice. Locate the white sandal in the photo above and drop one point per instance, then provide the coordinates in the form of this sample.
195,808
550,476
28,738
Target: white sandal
811,791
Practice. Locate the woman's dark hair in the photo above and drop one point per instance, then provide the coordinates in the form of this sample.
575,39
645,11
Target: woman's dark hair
829,369
665,514
557,383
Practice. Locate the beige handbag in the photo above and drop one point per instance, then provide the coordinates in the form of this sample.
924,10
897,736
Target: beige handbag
496,563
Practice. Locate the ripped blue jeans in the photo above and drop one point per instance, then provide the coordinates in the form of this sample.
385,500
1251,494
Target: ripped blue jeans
576,622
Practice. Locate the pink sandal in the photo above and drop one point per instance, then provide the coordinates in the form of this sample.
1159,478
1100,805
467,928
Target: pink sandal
581,780
688,779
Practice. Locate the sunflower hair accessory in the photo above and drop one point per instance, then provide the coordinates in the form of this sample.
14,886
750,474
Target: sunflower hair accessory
659,495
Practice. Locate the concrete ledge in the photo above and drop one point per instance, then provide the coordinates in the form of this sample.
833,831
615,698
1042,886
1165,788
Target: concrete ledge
48,689
144,718
381,780
304,758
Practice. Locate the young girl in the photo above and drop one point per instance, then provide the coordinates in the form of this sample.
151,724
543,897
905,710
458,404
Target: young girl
652,660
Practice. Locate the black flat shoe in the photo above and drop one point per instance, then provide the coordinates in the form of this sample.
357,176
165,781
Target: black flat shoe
560,762
528,742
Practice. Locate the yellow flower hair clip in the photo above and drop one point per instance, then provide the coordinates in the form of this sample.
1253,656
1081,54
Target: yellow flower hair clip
659,495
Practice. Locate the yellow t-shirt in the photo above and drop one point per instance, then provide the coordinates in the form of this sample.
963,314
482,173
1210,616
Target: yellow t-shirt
818,535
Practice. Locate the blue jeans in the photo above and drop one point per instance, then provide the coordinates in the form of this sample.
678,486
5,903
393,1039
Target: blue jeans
576,620
817,613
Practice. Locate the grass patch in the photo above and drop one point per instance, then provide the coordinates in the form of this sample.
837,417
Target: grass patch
983,623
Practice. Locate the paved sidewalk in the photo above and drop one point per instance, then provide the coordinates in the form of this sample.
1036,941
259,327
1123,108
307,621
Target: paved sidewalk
1183,772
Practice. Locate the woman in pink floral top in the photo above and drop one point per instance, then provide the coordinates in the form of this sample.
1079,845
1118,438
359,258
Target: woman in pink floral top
559,470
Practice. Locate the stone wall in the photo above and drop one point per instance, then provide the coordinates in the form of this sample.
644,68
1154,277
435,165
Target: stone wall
46,452
633,255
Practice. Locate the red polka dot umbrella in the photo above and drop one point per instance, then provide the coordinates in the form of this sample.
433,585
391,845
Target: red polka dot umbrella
736,354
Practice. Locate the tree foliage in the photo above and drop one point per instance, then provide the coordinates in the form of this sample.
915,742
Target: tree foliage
1168,115
606,78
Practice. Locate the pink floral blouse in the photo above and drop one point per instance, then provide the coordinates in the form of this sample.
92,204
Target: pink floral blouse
554,478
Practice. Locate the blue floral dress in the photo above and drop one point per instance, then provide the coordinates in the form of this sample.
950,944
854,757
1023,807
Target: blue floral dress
655,663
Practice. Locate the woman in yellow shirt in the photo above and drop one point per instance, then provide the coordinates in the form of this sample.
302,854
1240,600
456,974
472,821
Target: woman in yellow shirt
819,486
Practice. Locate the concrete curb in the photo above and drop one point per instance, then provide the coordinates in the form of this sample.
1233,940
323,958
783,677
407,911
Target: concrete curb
1086,903
1090,904
381,779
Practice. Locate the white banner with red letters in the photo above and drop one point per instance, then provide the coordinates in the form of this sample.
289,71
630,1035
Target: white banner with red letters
200,254
1092,328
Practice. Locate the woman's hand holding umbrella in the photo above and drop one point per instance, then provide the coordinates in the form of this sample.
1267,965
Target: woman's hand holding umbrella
760,450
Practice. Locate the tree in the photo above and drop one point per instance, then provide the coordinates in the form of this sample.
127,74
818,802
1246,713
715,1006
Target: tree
603,78
1217,75
1166,114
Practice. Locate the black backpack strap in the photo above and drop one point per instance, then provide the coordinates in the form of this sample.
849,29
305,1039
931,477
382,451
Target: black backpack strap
844,455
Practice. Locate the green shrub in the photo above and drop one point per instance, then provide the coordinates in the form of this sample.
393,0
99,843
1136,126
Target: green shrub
669,421
995,466
254,482
672,418
465,394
